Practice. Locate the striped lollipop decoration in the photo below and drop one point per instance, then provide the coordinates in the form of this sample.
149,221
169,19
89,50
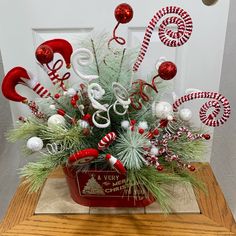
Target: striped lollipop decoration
169,37
107,140
209,120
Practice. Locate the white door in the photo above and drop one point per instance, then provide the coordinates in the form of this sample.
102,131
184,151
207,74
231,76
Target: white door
25,24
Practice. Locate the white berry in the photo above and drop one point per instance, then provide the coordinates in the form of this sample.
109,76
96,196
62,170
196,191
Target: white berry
125,124
154,150
52,107
35,144
185,114
71,92
143,125
169,117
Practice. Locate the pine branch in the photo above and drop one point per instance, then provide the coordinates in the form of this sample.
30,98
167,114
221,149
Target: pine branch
121,63
129,149
95,56
34,174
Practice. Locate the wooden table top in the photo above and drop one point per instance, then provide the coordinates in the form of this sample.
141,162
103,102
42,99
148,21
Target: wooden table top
215,218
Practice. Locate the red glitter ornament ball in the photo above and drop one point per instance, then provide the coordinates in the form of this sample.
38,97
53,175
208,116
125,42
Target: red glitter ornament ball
167,70
44,54
207,136
192,168
123,13
160,168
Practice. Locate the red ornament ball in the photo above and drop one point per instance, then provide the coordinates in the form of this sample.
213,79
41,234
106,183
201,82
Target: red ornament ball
207,136
61,112
44,54
123,13
57,95
192,168
160,168
167,70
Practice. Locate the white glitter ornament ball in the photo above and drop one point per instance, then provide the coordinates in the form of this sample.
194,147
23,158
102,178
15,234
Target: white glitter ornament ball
71,92
185,114
162,110
143,125
125,124
35,144
55,120
154,151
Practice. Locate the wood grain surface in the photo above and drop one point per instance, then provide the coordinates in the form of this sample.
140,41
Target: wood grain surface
215,217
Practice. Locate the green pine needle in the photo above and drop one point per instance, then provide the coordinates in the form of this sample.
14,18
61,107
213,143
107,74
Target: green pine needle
129,148
25,130
34,174
187,149
148,180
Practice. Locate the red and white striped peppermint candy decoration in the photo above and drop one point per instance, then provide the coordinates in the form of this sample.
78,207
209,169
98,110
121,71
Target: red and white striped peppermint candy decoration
210,119
167,36
107,140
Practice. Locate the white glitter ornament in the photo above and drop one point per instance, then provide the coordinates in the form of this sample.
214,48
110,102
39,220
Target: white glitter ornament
56,120
162,110
185,114
154,151
143,125
125,124
84,124
35,144
71,92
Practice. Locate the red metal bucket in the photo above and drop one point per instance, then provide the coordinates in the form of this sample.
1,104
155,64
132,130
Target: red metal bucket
102,189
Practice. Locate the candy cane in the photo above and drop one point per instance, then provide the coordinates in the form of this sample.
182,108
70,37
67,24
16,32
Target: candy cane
116,164
208,120
107,140
167,36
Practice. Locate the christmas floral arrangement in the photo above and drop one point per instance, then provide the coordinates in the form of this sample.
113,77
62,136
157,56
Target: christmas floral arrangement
111,120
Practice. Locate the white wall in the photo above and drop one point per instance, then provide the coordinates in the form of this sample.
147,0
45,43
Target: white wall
223,159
